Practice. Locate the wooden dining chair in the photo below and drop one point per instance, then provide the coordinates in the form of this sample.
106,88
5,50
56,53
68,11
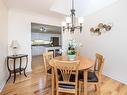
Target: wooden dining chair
94,77
46,58
67,82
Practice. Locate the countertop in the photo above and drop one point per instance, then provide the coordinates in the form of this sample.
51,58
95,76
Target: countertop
45,45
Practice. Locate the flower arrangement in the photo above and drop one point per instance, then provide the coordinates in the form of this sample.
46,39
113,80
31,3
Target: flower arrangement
72,47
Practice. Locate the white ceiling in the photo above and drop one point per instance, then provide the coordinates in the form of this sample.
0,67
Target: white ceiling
36,6
59,7
83,7
35,27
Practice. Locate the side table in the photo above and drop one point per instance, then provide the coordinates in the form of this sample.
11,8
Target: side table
16,70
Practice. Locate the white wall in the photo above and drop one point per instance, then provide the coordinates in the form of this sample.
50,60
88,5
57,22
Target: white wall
3,44
113,44
19,26
66,36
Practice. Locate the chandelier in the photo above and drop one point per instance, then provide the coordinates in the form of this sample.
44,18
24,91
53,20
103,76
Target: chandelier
70,23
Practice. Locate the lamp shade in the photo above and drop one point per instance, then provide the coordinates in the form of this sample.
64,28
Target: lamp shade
68,19
63,23
81,20
14,44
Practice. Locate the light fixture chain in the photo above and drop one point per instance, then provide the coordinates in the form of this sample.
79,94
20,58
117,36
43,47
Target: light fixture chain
72,4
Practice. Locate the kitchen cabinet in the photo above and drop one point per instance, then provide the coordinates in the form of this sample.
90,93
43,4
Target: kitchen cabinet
37,50
55,50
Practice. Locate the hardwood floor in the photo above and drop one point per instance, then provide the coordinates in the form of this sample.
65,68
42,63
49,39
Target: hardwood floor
37,83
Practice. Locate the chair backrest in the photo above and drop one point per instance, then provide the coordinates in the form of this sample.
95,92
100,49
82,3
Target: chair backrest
99,62
66,68
47,57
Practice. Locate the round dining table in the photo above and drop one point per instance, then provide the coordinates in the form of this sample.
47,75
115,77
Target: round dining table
85,64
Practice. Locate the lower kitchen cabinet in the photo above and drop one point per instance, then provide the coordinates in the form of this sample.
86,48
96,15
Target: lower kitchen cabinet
37,50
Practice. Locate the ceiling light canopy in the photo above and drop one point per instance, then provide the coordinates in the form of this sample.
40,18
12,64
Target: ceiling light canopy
71,21
43,29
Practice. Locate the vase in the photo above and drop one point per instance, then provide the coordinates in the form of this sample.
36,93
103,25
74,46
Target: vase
71,57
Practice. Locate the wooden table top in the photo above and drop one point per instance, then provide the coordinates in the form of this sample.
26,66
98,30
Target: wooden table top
85,63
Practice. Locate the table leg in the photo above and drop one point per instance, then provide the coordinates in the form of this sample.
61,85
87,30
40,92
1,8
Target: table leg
85,82
53,79
8,69
26,66
20,66
14,71
9,77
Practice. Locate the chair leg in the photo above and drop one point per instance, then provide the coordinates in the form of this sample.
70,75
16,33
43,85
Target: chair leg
57,93
80,86
95,87
98,89
76,92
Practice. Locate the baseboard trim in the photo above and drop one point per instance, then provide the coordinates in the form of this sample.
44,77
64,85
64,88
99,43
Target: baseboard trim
115,78
4,82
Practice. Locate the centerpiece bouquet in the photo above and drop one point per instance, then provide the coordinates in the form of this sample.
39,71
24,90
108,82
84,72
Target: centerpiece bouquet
72,49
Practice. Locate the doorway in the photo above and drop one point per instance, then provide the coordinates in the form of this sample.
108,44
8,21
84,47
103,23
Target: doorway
44,38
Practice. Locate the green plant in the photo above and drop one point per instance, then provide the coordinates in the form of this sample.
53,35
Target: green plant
72,47
71,52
